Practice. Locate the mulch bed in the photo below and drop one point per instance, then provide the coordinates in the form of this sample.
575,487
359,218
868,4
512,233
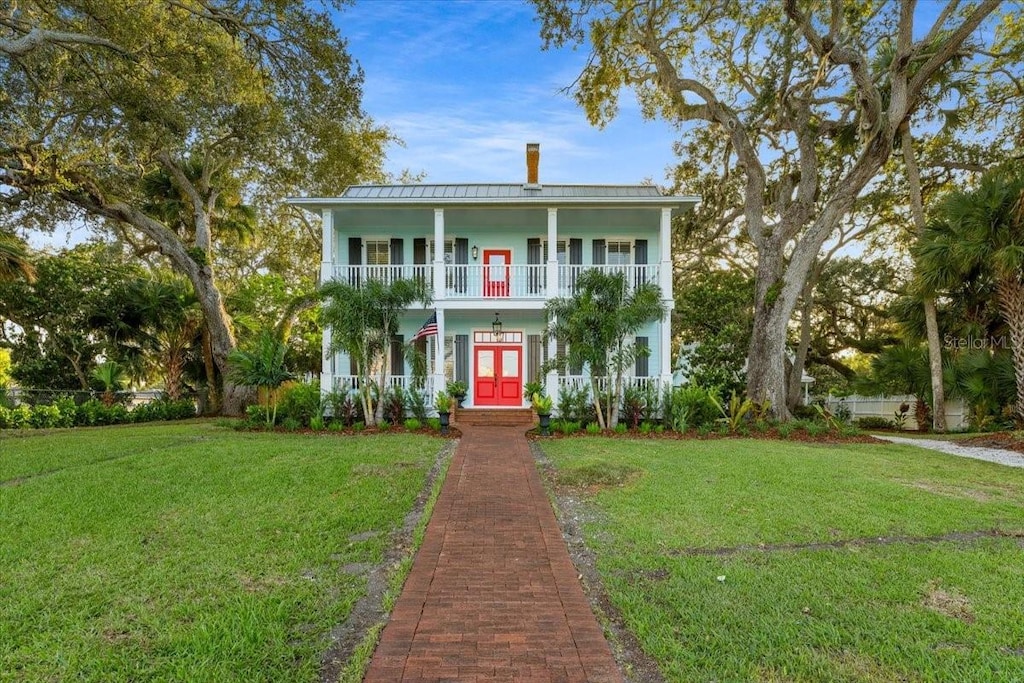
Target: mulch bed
692,435
1009,441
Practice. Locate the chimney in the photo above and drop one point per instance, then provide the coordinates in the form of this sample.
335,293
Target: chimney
532,163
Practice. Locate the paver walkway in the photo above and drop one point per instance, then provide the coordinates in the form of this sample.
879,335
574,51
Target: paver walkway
492,595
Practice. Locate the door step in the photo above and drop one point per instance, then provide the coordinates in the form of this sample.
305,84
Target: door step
507,417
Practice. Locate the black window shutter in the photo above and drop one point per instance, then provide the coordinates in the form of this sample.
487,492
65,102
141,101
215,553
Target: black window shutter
575,251
461,258
533,256
355,258
398,355
462,358
599,252
560,355
397,251
419,251
533,360
642,347
640,252
353,367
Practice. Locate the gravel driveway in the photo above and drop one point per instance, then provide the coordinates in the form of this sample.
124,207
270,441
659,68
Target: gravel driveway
996,455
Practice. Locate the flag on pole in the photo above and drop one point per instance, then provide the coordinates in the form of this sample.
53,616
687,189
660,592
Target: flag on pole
429,328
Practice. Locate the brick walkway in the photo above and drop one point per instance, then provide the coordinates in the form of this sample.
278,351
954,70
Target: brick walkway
493,595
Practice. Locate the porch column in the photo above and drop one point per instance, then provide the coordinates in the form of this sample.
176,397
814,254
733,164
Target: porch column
665,264
438,255
440,381
665,361
551,380
552,280
326,274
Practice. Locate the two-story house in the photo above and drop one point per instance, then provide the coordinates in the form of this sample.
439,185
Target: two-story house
492,255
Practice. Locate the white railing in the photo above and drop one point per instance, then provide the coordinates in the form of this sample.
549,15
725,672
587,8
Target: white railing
352,383
505,281
356,275
634,275
583,381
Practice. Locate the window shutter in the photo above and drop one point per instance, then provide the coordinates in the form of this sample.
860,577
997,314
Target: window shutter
642,345
533,360
397,251
398,355
353,367
640,259
462,358
419,251
355,258
575,251
461,259
599,252
533,256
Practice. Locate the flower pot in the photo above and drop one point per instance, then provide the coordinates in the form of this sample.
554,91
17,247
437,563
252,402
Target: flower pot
444,422
545,425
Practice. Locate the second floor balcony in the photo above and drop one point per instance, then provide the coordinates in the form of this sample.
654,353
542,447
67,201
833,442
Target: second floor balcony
488,282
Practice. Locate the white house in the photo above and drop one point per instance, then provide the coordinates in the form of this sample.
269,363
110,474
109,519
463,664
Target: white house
493,254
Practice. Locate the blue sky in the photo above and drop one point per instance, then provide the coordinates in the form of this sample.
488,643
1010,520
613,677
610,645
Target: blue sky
466,85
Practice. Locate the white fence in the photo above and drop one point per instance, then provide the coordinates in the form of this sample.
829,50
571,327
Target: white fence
888,406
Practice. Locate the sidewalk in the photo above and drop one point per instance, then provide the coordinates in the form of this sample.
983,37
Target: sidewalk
492,595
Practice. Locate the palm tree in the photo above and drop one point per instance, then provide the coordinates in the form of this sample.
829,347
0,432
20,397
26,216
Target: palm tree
595,325
363,321
978,235
111,375
14,259
264,368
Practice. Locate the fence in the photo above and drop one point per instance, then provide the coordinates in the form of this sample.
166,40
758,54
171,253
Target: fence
887,406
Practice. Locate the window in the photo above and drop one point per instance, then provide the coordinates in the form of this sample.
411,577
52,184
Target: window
618,253
561,252
378,252
449,251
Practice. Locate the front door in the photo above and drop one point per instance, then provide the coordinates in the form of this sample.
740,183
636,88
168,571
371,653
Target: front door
496,271
498,374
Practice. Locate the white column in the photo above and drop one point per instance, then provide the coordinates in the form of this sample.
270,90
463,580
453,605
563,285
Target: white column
665,249
439,379
551,380
552,281
666,350
327,273
439,256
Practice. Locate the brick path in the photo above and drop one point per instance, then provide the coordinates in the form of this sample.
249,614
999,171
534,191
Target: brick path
492,595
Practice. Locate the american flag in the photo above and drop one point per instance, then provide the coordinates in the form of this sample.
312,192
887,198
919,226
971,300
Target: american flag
429,328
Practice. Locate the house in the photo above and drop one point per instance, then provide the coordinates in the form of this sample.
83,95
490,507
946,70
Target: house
493,254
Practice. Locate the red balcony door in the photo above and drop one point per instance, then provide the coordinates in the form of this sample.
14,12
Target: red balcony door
498,373
497,270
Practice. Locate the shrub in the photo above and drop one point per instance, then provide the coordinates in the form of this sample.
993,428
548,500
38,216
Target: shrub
412,424
620,428
817,428
434,423
358,426
45,417
593,428
394,405
383,425
300,402
569,427
336,426
646,428
344,407
416,402
290,424
698,404
316,423
785,429
256,414
633,407
874,422
574,404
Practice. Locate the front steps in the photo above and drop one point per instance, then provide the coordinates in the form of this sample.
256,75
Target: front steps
495,417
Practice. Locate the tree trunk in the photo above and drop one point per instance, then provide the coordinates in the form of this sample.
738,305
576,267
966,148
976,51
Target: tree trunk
212,383
796,373
1011,305
766,359
595,392
930,314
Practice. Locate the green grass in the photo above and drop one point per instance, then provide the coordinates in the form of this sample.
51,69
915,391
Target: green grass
189,552
915,611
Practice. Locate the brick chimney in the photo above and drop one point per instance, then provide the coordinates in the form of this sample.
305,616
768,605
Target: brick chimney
532,163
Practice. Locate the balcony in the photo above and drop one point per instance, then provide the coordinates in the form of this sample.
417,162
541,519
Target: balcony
485,282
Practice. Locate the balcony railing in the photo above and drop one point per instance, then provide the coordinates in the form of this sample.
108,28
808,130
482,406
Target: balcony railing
475,281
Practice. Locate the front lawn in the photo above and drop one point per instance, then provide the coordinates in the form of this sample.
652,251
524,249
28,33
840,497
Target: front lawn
190,552
749,560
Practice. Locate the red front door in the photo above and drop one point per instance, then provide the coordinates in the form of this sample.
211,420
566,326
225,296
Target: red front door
498,376
496,271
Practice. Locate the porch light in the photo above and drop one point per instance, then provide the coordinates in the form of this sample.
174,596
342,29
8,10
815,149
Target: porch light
476,252
496,328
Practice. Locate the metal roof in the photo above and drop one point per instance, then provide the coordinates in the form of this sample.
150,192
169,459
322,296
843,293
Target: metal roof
491,194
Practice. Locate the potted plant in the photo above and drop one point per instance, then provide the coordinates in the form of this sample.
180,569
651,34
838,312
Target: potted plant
457,390
443,403
542,404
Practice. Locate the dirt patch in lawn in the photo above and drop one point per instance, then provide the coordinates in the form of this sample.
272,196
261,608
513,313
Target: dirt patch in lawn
368,611
573,512
979,495
947,601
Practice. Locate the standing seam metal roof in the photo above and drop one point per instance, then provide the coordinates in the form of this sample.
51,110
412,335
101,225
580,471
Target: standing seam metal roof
498,191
